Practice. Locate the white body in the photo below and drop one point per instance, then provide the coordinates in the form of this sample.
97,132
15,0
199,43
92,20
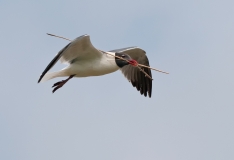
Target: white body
97,67
83,60
85,68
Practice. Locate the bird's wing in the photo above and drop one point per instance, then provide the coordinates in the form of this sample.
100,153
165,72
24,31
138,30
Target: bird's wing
79,49
133,74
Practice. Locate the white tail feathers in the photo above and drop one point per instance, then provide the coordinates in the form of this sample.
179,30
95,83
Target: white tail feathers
52,75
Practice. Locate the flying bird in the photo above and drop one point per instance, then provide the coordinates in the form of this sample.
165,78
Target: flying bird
84,60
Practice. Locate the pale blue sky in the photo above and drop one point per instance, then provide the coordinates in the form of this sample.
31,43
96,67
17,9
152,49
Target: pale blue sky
190,114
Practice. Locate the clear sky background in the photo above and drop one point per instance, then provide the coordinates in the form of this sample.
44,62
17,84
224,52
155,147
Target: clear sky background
190,114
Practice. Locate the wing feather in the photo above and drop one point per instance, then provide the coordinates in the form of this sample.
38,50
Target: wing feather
133,74
79,48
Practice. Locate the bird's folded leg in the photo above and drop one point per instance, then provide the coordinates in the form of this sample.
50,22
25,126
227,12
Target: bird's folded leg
61,83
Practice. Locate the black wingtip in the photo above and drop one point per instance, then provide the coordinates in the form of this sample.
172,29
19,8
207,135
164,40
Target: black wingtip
39,80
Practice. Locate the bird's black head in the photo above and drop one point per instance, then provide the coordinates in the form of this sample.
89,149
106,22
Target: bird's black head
121,63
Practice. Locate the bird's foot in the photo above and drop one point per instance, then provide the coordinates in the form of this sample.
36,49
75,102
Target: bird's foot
59,84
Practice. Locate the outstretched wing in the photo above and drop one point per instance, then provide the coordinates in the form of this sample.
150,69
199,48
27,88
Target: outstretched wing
79,48
133,74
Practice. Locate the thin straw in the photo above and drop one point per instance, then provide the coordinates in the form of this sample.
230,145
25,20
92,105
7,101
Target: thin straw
58,36
153,68
138,65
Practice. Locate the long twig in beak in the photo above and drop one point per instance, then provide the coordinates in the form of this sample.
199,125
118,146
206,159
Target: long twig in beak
144,72
128,62
58,36
153,68
138,65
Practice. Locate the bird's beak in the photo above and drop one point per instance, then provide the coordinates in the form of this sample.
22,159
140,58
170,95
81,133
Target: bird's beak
133,62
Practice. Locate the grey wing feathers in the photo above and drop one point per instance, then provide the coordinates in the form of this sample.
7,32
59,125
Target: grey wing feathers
52,63
133,74
80,47
125,50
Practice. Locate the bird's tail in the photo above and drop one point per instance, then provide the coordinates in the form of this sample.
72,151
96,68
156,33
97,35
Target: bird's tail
52,75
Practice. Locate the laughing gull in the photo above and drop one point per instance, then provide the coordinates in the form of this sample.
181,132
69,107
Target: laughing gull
85,60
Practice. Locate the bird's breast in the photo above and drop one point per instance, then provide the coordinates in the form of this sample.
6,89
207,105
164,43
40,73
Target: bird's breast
96,67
